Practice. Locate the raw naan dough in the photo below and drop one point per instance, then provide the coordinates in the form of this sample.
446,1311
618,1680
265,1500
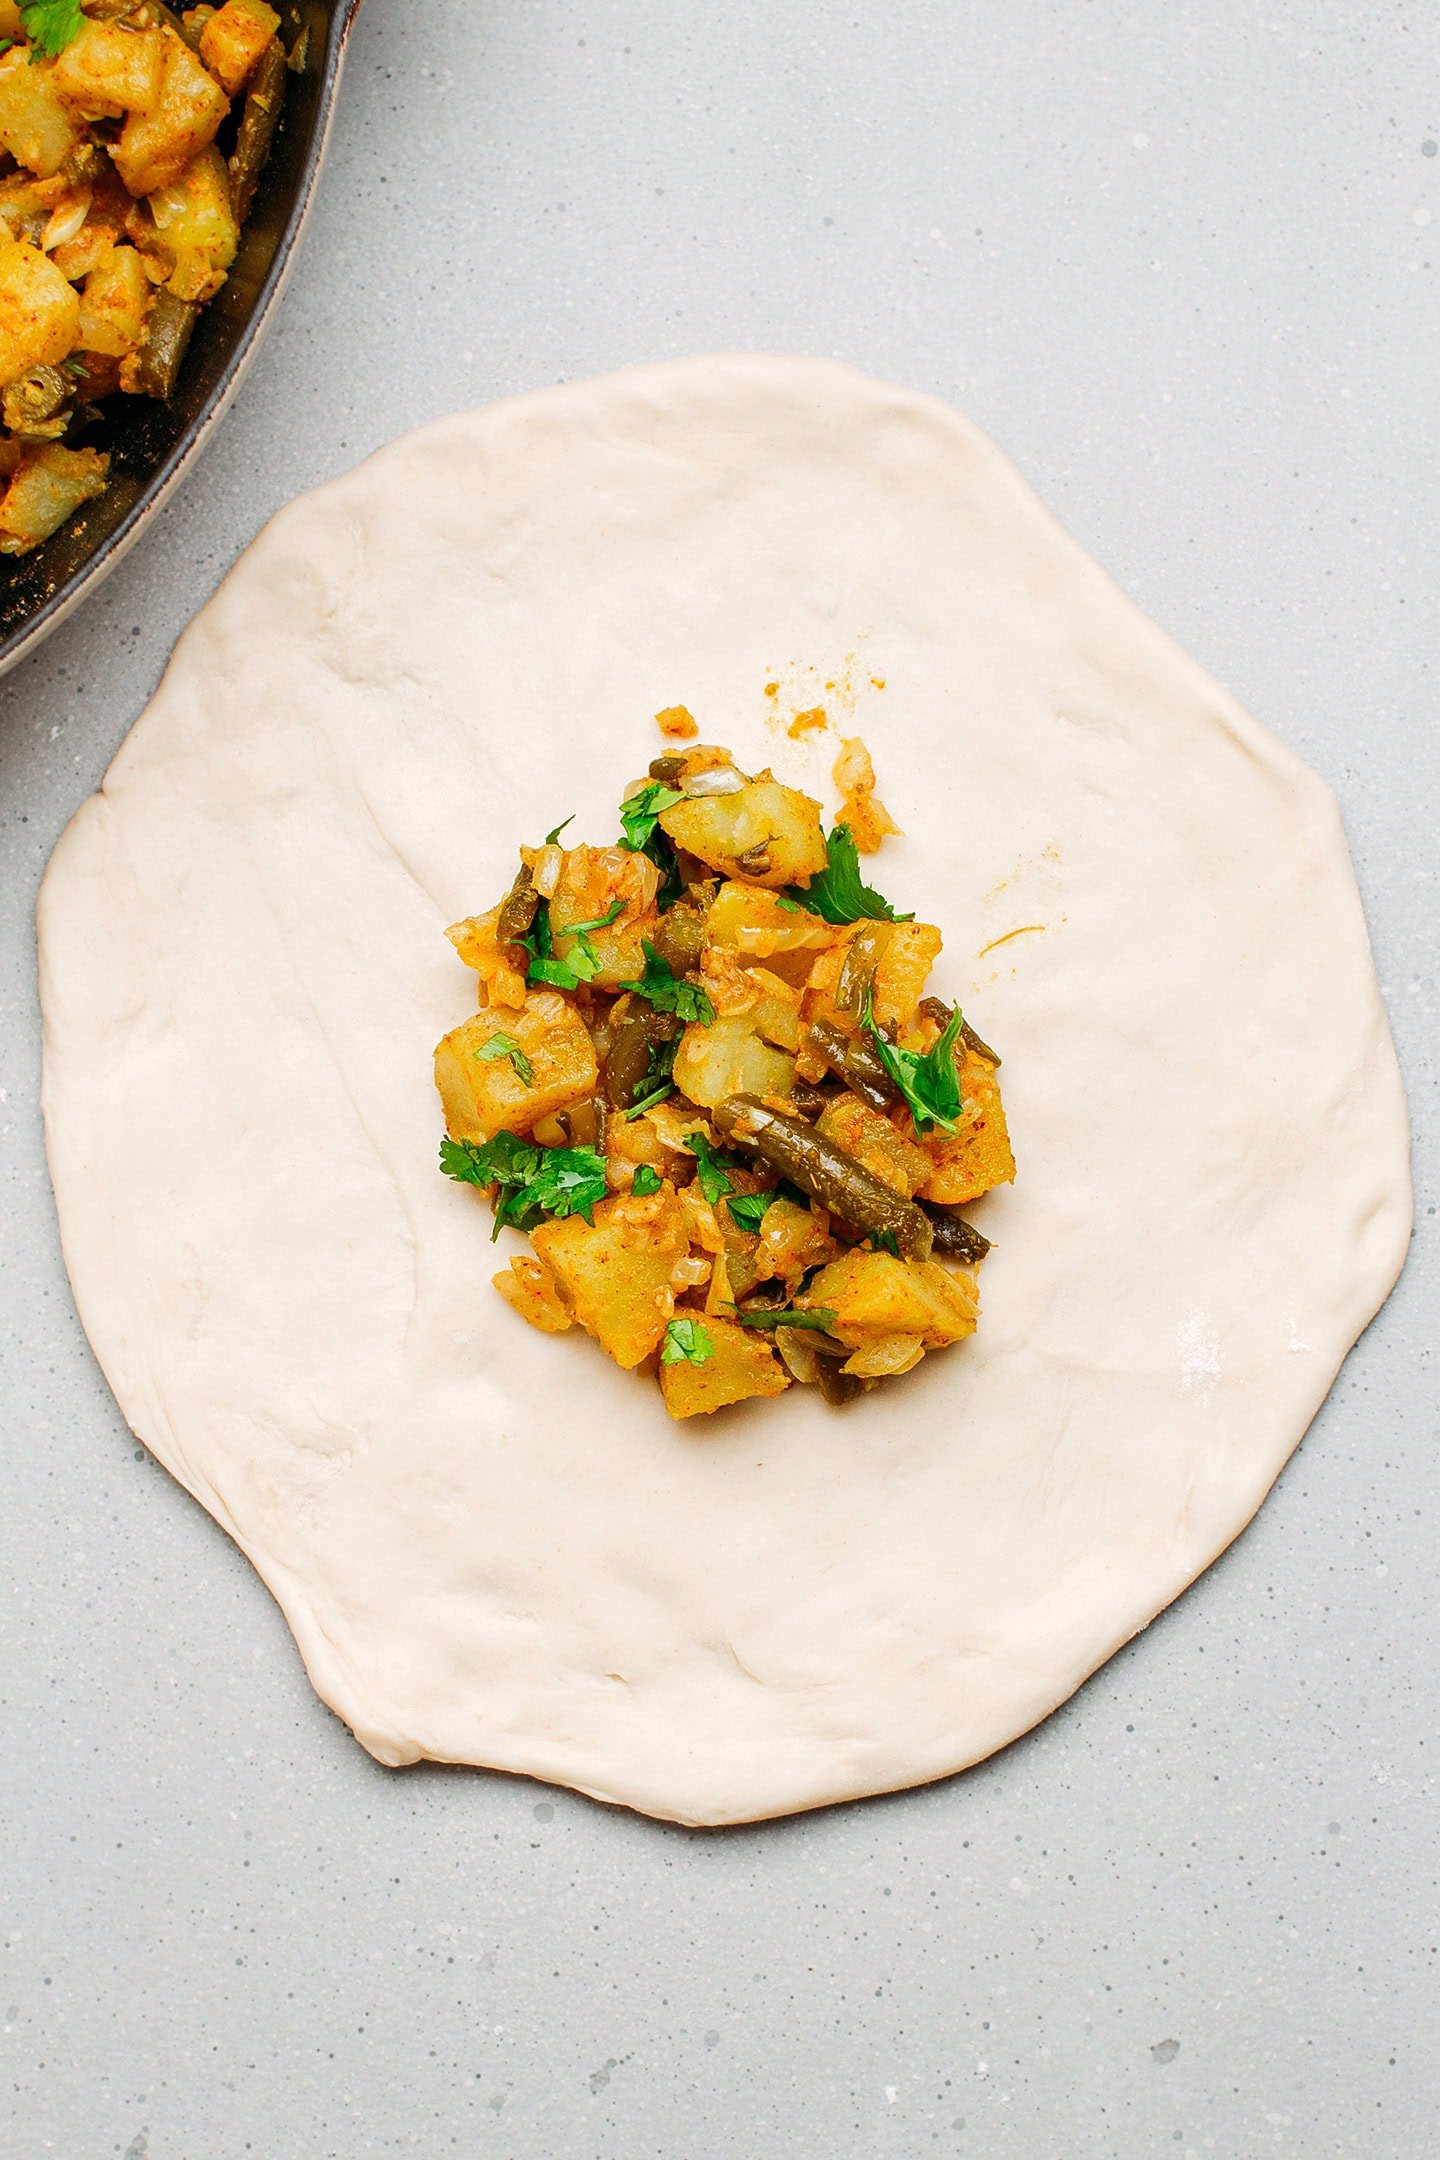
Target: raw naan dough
494,1547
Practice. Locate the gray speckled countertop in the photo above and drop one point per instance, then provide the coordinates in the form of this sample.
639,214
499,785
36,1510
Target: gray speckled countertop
1180,261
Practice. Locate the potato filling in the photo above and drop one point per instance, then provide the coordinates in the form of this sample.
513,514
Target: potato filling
706,1078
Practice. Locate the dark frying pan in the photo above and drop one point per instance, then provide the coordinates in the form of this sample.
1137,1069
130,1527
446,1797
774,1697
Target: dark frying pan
152,445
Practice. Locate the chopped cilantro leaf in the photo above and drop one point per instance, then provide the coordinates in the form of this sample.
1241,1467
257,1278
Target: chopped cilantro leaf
646,1181
50,25
838,892
555,831
772,1316
662,987
884,1241
647,1102
597,922
534,1181
929,1084
502,1045
686,1343
640,816
641,812
582,966
749,1209
711,1168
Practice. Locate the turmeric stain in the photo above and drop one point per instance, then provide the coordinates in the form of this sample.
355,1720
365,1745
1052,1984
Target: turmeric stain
808,723
772,689
877,682
1024,931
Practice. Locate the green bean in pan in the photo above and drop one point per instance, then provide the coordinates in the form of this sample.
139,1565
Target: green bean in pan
840,1184
259,117
167,333
680,938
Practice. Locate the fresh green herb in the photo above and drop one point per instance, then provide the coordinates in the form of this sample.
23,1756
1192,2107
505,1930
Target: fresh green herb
502,1045
5,45
686,1343
640,816
929,1084
791,907
772,1316
583,964
641,813
711,1168
838,892
596,922
645,1182
647,1102
884,1241
533,1181
50,25
749,1209
552,836
669,992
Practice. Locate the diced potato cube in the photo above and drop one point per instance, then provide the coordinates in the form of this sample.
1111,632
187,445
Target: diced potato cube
872,1295
730,1059
902,970
109,69
475,941
156,146
37,127
528,1285
485,1093
50,484
618,1275
741,1364
792,1239
765,833
870,1137
234,38
978,1156
196,227
753,921
591,880
770,1005
39,311
114,304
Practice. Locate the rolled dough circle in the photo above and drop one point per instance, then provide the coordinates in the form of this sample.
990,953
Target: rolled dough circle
492,1546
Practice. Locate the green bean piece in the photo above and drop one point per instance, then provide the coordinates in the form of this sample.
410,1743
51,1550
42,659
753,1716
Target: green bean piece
835,1384
809,1099
680,938
667,768
518,909
627,1064
955,1238
862,957
167,334
937,1010
854,1060
840,1184
259,119
36,402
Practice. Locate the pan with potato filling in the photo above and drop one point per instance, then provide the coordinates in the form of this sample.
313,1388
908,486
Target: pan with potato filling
707,1078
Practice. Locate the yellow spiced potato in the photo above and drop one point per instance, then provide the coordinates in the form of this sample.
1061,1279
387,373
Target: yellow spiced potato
707,1081
508,1070
619,1274
763,832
